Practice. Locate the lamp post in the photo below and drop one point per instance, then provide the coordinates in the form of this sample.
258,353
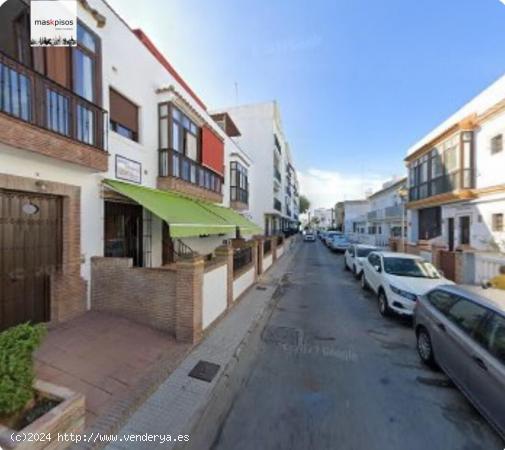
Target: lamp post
403,193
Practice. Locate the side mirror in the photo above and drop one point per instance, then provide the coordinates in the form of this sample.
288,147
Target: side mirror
377,268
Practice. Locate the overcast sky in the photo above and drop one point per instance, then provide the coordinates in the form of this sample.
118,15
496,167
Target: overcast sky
358,81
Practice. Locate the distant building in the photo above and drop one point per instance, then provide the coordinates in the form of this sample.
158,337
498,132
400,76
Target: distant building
324,217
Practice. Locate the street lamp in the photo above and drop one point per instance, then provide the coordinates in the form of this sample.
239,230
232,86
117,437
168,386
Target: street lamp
403,193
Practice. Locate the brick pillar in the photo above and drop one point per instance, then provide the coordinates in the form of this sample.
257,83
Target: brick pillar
226,252
259,241
254,247
274,249
188,299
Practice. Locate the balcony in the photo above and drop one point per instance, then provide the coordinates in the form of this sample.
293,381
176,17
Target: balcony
393,212
239,198
42,116
277,174
180,173
277,205
455,181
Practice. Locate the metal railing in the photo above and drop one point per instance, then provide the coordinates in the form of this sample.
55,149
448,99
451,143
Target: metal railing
175,164
36,99
393,212
241,258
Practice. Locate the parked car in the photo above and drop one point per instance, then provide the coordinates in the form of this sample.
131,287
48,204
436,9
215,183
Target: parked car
339,243
463,332
328,236
399,279
355,256
309,236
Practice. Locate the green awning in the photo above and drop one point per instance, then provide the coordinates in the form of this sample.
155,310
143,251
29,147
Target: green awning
185,216
233,217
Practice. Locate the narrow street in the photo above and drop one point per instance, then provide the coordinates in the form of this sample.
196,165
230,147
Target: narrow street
330,373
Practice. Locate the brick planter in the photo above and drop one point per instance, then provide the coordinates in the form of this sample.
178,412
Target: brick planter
67,417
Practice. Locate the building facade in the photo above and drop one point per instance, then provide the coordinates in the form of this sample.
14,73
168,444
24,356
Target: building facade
455,180
105,152
384,218
354,216
273,198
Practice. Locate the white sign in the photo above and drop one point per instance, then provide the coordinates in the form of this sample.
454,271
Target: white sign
53,23
128,170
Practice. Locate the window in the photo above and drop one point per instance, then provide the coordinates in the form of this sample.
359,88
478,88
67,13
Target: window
466,315
239,185
185,134
494,337
85,62
497,222
124,116
497,144
441,300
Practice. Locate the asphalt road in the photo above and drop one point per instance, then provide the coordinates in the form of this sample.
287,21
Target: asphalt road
331,373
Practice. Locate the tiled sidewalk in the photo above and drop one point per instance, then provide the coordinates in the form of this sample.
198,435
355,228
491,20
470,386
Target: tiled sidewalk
179,398
104,357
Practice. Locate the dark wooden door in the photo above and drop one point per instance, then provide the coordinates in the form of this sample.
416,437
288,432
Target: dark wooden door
448,264
464,225
168,250
30,250
450,225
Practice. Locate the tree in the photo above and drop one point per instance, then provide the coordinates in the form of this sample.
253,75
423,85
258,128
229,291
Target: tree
304,204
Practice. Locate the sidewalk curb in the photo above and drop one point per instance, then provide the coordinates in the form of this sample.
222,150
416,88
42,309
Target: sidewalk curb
205,425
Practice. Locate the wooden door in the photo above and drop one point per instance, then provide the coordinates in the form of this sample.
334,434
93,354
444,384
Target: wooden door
450,225
30,250
448,264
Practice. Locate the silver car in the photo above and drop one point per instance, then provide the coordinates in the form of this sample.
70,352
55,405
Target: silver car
463,332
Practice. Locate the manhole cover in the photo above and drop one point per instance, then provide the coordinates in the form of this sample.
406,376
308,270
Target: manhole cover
205,371
281,335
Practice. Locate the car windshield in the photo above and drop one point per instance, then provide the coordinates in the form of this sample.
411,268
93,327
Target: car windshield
363,252
407,267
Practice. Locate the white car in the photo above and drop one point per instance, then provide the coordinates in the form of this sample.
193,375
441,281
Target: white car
309,236
399,279
328,236
339,243
355,256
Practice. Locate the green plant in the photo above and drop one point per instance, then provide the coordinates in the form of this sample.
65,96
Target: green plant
17,345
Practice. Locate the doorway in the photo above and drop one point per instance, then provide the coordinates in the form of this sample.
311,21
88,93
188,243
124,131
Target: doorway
450,233
123,231
464,230
30,250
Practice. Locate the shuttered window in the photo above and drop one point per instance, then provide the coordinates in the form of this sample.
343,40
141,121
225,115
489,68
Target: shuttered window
124,116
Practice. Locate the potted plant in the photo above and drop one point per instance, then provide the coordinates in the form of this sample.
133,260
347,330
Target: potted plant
32,412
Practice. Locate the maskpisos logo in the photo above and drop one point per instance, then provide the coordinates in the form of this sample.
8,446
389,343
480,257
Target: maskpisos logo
53,23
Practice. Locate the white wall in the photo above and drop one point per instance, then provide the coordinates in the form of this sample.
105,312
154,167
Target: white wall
214,294
267,262
242,283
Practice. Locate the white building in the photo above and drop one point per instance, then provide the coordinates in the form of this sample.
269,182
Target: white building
354,216
323,217
83,132
384,218
457,180
273,197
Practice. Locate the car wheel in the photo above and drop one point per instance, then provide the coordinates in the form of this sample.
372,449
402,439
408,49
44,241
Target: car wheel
383,304
424,347
355,272
364,284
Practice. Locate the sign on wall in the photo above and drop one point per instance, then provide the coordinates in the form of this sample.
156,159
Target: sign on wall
53,23
128,170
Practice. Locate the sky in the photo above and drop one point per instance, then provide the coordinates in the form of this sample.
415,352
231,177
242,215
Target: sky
358,81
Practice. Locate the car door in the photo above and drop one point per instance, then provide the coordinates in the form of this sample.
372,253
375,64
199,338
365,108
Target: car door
487,374
457,345
373,276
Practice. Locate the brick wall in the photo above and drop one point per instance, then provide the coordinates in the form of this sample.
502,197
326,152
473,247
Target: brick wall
19,134
143,295
176,184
